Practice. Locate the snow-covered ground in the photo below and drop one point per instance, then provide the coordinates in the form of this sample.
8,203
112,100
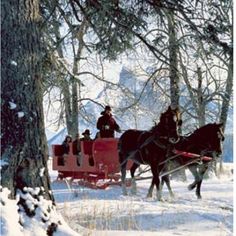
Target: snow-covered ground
108,212
84,211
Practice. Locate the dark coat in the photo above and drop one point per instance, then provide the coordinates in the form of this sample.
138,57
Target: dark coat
76,147
65,147
86,139
107,125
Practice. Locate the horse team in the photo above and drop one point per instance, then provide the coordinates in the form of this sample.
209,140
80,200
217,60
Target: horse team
156,147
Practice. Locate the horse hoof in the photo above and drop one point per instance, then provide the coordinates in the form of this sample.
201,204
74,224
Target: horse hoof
190,187
161,199
199,197
149,196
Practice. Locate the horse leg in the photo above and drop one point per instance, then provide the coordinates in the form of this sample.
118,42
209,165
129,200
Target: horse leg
123,179
192,185
166,179
156,180
133,182
193,170
198,190
162,183
202,171
123,163
150,190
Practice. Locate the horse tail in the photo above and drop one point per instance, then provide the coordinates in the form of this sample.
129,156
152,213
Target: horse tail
123,163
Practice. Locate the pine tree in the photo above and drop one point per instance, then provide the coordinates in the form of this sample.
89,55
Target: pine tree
23,140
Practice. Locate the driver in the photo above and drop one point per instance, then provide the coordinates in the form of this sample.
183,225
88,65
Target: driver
107,124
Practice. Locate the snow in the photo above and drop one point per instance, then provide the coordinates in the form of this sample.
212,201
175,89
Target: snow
21,114
108,212
14,63
83,211
9,215
12,105
12,214
3,163
42,171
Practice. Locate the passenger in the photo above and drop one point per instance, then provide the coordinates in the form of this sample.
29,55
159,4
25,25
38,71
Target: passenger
66,146
76,145
107,124
86,135
77,149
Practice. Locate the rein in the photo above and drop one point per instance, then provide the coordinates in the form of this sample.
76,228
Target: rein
156,142
141,156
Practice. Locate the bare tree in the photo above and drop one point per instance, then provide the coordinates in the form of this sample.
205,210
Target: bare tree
67,76
173,59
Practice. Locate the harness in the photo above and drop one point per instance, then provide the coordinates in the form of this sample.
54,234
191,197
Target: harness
159,144
155,139
148,141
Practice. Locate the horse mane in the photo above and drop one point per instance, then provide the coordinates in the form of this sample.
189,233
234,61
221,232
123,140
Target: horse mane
157,127
154,128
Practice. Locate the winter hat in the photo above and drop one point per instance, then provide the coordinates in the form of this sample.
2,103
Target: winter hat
86,132
107,108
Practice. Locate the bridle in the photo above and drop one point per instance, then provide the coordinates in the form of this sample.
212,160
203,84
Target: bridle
175,116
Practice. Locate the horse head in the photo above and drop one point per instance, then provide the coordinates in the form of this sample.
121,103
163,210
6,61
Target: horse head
210,138
170,122
217,138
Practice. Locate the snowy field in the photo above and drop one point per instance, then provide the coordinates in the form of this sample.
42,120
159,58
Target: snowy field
108,212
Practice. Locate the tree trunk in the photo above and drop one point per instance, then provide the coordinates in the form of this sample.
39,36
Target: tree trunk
67,103
226,101
201,110
78,35
75,109
23,141
174,77
228,93
173,48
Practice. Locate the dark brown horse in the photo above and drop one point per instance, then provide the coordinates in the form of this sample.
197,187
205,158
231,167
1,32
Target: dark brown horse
139,146
206,140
